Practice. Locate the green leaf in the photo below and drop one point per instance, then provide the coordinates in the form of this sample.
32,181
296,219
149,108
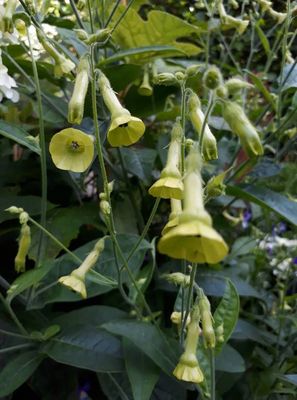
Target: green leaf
145,52
92,315
115,386
268,199
142,372
19,135
139,162
227,313
229,360
18,370
26,280
88,347
245,330
64,224
291,81
241,246
263,38
31,204
51,291
148,339
262,88
160,28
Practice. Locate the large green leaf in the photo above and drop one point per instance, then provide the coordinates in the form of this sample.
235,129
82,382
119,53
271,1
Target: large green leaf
227,313
229,360
86,346
18,370
64,224
291,378
142,372
148,339
160,28
19,135
50,291
266,198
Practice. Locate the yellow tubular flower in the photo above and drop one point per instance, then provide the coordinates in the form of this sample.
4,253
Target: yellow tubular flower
242,127
194,238
145,88
207,323
72,150
176,209
77,101
188,368
230,22
209,145
76,280
170,185
124,129
24,245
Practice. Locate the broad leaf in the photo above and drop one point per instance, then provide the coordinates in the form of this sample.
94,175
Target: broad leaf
288,79
229,360
160,28
148,339
19,135
18,370
88,347
227,313
266,198
142,372
291,378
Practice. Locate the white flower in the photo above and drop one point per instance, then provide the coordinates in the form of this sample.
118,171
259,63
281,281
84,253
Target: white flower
7,85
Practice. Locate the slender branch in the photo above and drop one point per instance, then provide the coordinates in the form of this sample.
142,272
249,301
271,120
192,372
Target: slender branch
122,16
42,154
15,348
76,13
118,2
13,315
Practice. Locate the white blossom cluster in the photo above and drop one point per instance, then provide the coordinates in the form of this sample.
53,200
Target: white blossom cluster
7,84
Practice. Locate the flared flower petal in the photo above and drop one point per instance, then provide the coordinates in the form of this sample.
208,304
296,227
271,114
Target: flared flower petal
167,188
72,150
125,130
188,369
75,283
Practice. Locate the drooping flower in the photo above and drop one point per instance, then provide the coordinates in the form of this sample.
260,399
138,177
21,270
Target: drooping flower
176,209
170,185
77,101
209,142
72,150
239,123
124,129
193,238
76,280
188,368
24,245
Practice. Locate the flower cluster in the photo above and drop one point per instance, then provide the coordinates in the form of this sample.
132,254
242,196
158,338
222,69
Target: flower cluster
7,84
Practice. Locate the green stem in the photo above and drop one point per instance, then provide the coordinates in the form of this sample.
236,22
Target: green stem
42,155
189,300
13,316
118,386
77,16
122,16
15,348
112,13
137,212
13,334
212,374
90,16
55,240
145,230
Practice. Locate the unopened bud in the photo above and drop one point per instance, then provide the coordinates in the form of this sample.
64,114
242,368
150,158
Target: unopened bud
207,323
105,207
178,278
81,34
98,37
165,78
24,245
234,85
14,210
222,92
24,217
180,76
81,4
192,70
212,78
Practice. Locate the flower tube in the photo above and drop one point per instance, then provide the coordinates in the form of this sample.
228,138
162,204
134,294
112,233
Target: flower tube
170,185
124,129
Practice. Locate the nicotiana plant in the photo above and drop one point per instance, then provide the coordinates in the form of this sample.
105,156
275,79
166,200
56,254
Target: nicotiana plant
151,262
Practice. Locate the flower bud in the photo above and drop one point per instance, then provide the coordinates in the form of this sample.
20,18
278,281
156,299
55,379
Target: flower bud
192,70
209,143
6,22
180,76
24,245
165,78
105,207
215,186
220,333
177,278
235,85
77,101
145,88
240,125
207,323
14,210
81,4
20,26
98,37
212,78
24,217
81,34
222,92
176,318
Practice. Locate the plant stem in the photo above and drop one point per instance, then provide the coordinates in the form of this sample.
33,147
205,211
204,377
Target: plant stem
76,13
90,16
122,16
15,348
42,155
57,241
189,299
213,374
13,334
13,315
112,13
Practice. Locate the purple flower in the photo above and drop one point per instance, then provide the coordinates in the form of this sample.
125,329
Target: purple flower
247,216
294,260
